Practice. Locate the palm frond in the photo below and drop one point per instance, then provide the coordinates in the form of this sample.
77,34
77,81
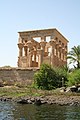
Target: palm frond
74,55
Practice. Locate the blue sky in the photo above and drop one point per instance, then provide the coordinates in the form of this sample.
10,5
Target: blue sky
22,15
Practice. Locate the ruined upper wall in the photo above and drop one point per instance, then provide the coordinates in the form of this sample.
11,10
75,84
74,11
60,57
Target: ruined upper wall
33,51
27,35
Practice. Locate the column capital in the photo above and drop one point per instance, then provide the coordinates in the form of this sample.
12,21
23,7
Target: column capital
20,45
43,44
39,51
60,46
25,46
63,49
20,40
29,44
34,51
52,42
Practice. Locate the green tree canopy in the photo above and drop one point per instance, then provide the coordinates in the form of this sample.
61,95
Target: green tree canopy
49,78
74,77
74,55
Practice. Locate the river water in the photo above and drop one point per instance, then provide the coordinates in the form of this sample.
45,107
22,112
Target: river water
14,111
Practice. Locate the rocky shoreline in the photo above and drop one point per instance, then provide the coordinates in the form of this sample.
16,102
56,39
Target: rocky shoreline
58,97
53,99
59,100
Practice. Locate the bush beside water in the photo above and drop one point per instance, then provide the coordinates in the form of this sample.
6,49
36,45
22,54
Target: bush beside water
49,78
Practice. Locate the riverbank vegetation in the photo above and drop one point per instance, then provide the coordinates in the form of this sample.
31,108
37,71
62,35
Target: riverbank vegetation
47,81
50,78
59,78
13,92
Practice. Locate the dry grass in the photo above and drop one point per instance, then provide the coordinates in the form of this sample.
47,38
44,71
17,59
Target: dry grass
15,92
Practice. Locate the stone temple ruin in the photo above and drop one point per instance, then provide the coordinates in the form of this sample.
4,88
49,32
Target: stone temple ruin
42,46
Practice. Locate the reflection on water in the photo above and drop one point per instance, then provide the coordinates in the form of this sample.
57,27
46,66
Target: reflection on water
14,111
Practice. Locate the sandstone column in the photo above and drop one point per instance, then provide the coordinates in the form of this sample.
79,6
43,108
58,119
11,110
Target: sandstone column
43,44
65,55
25,50
56,46
40,57
29,44
52,43
30,60
20,46
63,52
34,52
60,52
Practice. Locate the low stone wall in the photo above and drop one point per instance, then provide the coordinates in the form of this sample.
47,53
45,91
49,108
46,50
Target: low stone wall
12,75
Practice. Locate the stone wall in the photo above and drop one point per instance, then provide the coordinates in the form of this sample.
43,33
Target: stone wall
15,75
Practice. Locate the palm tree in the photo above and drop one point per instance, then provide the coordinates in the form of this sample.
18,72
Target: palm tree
74,55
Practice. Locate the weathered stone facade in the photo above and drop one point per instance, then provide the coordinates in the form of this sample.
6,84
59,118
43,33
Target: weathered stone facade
33,53
16,75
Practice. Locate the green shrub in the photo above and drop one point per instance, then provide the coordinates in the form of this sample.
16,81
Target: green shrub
49,78
46,77
61,74
74,77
